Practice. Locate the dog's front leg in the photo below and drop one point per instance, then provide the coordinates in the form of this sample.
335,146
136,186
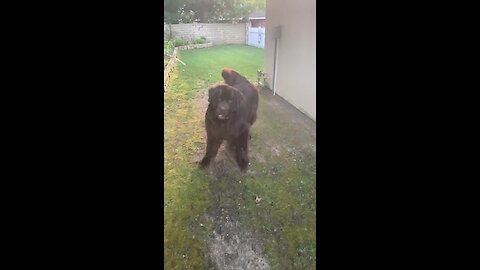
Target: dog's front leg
212,149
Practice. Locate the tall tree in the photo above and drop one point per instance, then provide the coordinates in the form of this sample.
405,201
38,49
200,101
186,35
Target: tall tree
235,9
201,8
187,11
171,10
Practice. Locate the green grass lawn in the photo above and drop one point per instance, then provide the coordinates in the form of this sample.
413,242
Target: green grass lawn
281,226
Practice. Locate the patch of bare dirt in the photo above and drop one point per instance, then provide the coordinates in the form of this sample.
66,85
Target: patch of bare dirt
202,100
276,150
231,248
257,157
231,245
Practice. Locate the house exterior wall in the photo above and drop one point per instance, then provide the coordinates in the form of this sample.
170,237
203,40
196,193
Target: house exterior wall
296,52
217,33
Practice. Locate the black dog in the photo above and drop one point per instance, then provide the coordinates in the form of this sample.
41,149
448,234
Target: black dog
232,110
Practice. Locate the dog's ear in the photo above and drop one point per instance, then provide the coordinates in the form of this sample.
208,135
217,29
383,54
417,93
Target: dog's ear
237,97
213,93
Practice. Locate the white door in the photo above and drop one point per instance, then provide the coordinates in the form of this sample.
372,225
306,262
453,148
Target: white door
256,37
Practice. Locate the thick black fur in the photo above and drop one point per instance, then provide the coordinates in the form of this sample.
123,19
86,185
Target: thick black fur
231,111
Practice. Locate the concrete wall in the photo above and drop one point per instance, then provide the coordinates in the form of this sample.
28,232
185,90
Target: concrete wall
296,59
217,33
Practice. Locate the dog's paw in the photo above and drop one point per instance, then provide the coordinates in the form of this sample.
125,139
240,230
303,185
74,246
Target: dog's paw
244,169
203,163
243,165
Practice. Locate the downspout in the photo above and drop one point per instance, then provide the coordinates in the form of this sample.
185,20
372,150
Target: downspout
275,54
276,35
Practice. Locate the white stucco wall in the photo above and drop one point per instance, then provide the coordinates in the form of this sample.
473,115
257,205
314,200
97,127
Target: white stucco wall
296,60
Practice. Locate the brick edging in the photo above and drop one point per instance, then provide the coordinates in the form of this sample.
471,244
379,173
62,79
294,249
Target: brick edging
195,46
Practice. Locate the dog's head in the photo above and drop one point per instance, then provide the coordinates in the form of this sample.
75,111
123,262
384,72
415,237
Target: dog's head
223,101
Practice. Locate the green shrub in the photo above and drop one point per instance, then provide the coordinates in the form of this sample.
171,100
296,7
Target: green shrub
200,40
168,47
179,42
176,42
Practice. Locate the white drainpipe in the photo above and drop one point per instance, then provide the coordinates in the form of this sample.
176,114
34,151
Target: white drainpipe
276,32
275,67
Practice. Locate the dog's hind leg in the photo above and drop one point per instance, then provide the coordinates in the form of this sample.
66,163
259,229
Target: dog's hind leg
241,153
